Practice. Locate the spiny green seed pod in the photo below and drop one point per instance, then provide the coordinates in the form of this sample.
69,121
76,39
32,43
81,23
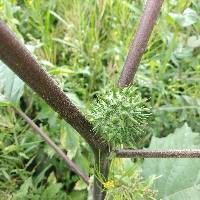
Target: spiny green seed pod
120,116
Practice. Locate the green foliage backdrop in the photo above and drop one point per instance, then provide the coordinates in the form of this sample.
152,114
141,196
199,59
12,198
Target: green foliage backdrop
83,45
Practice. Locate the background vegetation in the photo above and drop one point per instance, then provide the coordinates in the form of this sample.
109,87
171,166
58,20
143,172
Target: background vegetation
83,44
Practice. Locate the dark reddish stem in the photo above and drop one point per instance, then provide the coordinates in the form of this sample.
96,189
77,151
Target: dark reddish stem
72,166
16,56
130,153
138,46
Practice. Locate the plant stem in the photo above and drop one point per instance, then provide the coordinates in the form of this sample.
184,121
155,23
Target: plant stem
19,59
102,169
131,153
138,46
57,149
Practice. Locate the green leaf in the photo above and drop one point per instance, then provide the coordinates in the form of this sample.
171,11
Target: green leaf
80,185
80,195
11,148
70,140
52,178
194,41
3,101
41,175
82,162
51,191
185,194
188,17
61,71
11,87
23,191
180,178
6,175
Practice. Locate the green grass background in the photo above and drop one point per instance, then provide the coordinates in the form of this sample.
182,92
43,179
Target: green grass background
83,45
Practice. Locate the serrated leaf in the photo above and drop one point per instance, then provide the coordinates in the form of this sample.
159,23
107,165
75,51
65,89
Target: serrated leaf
11,87
180,178
23,191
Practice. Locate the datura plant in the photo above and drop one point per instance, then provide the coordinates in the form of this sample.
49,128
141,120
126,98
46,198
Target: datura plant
120,116
124,182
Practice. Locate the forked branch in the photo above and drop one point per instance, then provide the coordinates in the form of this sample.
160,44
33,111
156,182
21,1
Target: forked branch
137,48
